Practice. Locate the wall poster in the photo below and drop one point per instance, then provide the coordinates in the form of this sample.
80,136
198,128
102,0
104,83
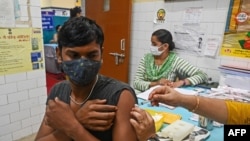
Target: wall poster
236,41
7,15
189,39
20,50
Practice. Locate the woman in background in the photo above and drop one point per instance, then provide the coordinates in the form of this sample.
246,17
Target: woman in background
55,36
164,67
75,12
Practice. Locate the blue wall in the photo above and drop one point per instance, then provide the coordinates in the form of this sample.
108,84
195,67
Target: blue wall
48,33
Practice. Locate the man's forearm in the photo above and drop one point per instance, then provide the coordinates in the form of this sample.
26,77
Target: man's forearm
79,133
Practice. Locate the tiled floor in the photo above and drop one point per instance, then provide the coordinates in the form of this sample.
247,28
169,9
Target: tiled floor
28,138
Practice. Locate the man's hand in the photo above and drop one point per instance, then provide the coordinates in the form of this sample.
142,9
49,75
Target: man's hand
96,115
60,116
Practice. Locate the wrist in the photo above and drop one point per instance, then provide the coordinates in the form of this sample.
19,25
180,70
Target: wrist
182,100
159,82
74,130
196,105
184,83
189,102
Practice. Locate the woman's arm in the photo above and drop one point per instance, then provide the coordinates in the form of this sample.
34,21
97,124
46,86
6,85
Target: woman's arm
212,108
223,111
238,112
139,81
54,40
123,130
215,109
55,37
193,75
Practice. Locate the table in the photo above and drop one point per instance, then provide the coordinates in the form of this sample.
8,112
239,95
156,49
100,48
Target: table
215,135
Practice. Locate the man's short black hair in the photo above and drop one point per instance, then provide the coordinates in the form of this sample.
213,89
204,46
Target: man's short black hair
80,31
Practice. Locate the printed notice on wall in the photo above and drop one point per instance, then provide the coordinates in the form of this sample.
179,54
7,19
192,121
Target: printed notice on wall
189,39
20,50
7,15
211,46
192,15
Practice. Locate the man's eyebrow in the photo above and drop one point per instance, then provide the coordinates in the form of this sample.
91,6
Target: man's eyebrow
71,51
91,51
94,51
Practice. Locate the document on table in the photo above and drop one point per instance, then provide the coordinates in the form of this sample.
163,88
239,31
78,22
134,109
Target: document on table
144,95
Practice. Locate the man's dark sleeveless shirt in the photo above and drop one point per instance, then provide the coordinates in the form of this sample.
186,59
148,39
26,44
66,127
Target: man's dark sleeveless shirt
106,88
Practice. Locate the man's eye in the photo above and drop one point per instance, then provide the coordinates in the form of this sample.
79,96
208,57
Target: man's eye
91,56
75,56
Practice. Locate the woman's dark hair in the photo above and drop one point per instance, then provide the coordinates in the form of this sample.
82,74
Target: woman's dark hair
80,31
164,36
74,11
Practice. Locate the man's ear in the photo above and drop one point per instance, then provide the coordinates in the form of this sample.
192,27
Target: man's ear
102,48
58,55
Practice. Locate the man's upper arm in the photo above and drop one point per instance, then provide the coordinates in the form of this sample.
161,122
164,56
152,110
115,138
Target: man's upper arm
123,130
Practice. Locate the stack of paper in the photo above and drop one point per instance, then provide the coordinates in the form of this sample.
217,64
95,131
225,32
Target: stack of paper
235,77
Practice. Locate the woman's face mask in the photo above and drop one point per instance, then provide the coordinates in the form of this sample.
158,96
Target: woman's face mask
155,50
81,71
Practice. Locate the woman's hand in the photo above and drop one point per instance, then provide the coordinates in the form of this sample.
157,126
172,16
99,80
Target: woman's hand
163,81
176,84
96,115
166,95
143,124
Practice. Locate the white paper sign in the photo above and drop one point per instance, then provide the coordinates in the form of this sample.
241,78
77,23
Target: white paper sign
7,15
212,46
192,15
189,39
